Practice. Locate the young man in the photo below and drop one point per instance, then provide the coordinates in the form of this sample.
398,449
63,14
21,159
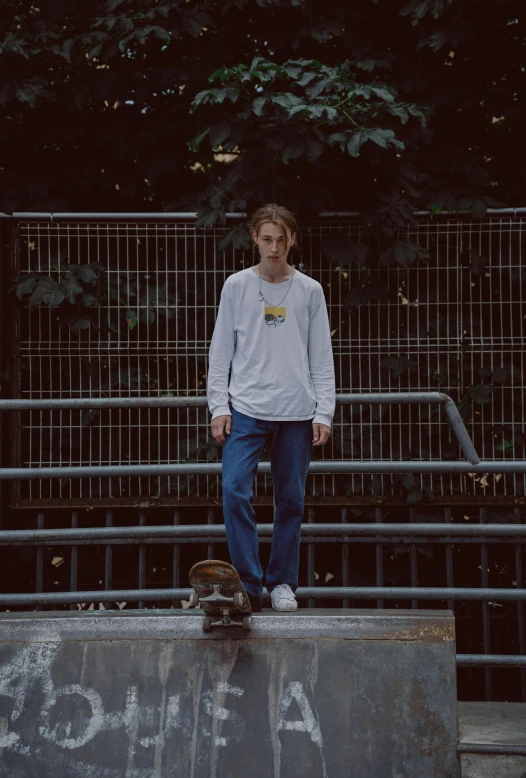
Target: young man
270,380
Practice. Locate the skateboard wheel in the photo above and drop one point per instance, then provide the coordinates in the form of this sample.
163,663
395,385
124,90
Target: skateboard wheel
194,599
247,622
238,600
207,624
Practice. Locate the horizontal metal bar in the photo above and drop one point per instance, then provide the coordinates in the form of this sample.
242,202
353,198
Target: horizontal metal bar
490,211
400,540
371,398
446,531
496,660
303,593
499,749
141,215
168,216
205,468
91,403
410,593
85,403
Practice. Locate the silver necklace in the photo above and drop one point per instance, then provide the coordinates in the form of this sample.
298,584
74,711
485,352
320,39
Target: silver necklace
262,296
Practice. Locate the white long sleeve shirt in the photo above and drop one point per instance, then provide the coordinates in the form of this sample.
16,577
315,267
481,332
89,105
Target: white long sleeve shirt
272,359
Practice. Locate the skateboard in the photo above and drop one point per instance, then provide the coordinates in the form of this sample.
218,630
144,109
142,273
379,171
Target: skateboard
219,592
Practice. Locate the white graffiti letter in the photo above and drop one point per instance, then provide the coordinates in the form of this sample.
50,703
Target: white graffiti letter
308,723
213,705
60,732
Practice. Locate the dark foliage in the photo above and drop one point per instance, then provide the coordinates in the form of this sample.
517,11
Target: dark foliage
378,106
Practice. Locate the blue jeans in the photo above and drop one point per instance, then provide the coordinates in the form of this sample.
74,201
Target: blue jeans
290,450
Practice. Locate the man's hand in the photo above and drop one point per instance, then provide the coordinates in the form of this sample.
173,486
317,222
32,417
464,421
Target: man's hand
221,426
320,434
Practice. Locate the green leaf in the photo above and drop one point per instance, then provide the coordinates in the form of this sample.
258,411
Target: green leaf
26,286
160,32
53,297
238,238
304,107
355,142
400,111
287,100
87,274
404,253
382,93
194,26
336,137
292,70
418,113
38,291
194,144
362,90
219,133
258,105
317,88
15,45
72,289
382,138
208,219
366,64
478,209
434,41
79,324
306,79
232,93
29,92
90,301
131,319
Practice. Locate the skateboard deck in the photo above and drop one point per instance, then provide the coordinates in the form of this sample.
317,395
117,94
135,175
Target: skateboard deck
218,590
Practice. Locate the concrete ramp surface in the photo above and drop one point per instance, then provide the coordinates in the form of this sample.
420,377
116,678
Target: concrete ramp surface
148,694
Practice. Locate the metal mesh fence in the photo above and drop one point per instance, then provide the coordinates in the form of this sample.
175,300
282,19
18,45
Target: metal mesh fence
453,323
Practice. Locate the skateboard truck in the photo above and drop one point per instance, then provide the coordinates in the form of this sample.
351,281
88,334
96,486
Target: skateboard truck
224,604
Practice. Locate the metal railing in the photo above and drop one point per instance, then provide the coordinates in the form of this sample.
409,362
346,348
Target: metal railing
473,465
345,533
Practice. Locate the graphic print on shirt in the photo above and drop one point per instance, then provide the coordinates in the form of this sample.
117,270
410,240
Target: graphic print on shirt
275,315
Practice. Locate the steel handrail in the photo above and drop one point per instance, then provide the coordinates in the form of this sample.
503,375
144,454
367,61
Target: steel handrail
213,531
473,465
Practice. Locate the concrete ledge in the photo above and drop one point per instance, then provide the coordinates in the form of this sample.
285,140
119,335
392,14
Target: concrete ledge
148,694
407,625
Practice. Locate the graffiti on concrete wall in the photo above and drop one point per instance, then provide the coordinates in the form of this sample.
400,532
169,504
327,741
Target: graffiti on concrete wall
42,718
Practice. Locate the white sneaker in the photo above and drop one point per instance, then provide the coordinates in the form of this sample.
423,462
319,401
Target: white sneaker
283,598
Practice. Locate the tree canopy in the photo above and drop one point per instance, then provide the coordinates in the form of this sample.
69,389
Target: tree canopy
381,106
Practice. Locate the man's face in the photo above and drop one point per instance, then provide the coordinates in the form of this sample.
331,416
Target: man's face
272,244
